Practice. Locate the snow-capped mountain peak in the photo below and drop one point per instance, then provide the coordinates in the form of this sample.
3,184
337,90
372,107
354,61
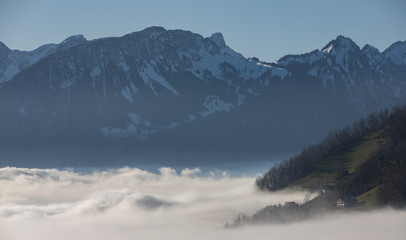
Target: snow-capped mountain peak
340,44
14,61
336,50
344,68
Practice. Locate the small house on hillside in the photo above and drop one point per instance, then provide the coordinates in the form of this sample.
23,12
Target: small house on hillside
347,200
328,191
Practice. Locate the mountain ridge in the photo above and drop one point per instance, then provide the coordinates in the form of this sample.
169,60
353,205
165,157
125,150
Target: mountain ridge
157,85
16,60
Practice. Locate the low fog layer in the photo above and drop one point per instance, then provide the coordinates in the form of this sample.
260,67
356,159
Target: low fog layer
130,203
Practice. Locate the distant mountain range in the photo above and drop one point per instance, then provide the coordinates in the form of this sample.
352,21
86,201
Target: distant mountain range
163,91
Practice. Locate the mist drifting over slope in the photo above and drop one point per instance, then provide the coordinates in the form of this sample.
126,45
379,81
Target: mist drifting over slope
129,203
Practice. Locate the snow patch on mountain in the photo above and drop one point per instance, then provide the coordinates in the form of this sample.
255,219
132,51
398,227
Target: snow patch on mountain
328,49
134,88
66,84
280,72
141,129
9,72
137,128
241,97
148,73
308,58
95,72
16,61
214,104
203,61
130,131
126,92
135,118
41,52
124,66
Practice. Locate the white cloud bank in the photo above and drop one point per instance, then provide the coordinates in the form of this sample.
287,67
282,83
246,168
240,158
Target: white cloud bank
130,203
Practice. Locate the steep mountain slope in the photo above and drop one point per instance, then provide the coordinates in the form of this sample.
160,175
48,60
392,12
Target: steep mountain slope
159,79
174,91
14,61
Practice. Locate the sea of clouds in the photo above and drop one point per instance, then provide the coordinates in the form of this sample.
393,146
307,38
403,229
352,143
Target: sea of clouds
130,203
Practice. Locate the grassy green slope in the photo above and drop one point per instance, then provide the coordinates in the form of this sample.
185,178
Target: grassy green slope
370,198
343,158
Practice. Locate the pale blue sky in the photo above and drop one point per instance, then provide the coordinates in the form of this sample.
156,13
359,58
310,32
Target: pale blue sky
266,29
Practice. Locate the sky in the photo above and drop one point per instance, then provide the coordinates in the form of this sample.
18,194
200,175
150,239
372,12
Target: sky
266,29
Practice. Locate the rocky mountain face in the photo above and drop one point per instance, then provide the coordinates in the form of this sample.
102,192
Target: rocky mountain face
366,78
14,61
173,91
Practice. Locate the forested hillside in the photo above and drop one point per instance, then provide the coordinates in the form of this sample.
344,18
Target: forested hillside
367,160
